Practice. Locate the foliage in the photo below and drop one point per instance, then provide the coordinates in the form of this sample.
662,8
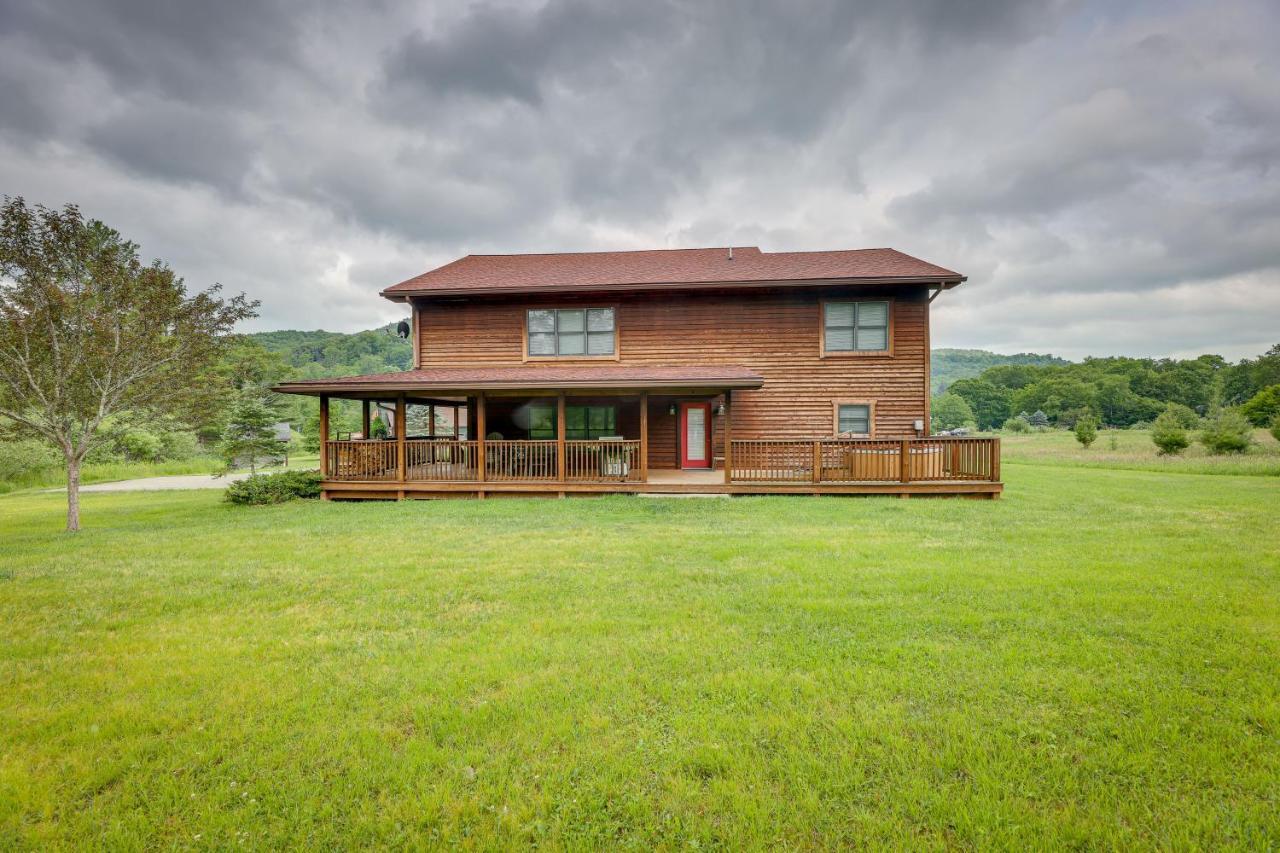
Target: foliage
1263,407
1038,419
745,675
87,331
249,437
951,411
1227,431
378,428
1135,451
1086,430
951,365
274,488
1169,433
1017,424
1275,428
23,457
1182,415
991,404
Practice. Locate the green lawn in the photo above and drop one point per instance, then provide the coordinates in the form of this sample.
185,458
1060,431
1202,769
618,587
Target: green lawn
1092,661
105,472
1133,450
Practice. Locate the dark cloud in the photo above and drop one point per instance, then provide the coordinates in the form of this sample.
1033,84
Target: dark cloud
1070,155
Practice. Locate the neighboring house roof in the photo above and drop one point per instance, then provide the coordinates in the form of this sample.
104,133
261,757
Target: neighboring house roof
668,268
442,379
283,431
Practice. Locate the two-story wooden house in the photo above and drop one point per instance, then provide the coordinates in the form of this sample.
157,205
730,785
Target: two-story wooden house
692,370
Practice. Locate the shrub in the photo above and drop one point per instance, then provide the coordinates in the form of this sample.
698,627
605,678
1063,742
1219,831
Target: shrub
1039,419
1140,425
139,445
178,445
1182,415
1086,430
274,488
26,456
951,411
1275,428
1227,432
1168,433
1018,424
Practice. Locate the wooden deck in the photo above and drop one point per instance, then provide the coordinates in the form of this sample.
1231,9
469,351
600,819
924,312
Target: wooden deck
389,470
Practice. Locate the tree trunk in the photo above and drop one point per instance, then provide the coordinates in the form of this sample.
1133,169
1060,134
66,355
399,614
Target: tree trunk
73,494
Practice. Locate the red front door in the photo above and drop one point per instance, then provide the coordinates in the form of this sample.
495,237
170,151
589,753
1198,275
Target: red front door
695,435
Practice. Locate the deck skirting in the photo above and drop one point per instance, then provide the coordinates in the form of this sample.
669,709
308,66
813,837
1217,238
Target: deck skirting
382,490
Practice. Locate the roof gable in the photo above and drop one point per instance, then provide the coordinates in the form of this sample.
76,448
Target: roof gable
478,274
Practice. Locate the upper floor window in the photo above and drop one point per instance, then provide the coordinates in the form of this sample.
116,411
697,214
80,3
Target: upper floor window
570,331
855,326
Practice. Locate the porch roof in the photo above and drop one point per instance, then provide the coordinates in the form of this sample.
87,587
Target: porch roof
540,377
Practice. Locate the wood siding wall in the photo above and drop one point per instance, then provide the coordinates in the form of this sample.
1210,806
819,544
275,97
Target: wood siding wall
776,334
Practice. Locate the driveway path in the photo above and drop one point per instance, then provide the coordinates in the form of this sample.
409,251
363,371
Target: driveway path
161,484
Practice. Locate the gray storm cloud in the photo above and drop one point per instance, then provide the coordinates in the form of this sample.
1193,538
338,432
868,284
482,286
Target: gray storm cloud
1105,173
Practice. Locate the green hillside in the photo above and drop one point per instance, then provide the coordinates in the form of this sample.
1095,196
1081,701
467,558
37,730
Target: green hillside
948,365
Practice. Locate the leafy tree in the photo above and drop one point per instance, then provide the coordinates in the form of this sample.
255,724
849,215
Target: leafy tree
950,411
1275,428
88,330
1263,407
1181,415
250,433
1250,376
990,403
1169,432
1086,430
1227,431
1018,424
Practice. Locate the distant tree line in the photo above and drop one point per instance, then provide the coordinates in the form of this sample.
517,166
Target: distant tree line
1116,391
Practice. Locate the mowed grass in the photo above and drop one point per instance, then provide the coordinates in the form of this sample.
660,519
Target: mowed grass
1092,661
106,472
1133,450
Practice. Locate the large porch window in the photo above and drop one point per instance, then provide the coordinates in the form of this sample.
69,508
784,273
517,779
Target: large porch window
581,423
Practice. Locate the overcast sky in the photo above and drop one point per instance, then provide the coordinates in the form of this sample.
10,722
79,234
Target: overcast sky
1105,173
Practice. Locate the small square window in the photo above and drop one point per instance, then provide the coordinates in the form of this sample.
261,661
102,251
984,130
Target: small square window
853,419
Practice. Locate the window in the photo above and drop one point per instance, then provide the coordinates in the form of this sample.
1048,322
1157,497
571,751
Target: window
570,331
856,326
853,418
580,422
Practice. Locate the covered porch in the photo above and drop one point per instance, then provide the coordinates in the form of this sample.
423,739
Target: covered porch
559,431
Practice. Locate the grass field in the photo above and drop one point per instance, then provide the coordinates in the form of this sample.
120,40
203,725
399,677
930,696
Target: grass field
1092,661
1133,450
111,471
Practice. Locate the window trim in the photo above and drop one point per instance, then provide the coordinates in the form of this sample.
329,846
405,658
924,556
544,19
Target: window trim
525,355
856,353
871,418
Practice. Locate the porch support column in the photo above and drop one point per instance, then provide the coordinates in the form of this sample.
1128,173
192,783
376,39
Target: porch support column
560,436
400,430
480,433
644,436
364,418
324,436
431,420
728,436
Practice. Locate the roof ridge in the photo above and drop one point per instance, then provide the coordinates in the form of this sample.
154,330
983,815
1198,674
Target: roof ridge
610,252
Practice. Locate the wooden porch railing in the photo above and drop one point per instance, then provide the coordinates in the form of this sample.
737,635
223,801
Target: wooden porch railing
525,461
361,459
840,460
441,460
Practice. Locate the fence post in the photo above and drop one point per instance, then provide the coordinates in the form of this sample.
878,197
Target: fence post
904,461
817,460
995,460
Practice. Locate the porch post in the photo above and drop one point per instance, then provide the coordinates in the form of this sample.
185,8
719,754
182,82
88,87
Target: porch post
324,436
644,436
560,436
400,430
480,432
431,420
364,418
728,436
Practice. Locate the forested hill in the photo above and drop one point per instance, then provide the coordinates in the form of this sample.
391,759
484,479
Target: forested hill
321,354
948,365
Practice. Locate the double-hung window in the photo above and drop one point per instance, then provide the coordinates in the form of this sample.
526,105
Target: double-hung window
853,419
570,332
855,327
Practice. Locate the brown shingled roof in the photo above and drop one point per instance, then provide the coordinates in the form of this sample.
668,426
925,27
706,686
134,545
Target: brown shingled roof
477,274
442,379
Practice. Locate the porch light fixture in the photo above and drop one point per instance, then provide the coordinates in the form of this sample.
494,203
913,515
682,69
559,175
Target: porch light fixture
720,411
671,410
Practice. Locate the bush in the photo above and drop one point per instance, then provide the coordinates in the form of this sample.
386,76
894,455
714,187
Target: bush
1168,433
1227,432
26,456
178,445
1275,428
274,488
1182,415
1140,425
1086,430
139,445
1018,424
1039,419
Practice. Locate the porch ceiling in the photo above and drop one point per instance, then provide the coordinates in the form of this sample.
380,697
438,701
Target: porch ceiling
442,380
